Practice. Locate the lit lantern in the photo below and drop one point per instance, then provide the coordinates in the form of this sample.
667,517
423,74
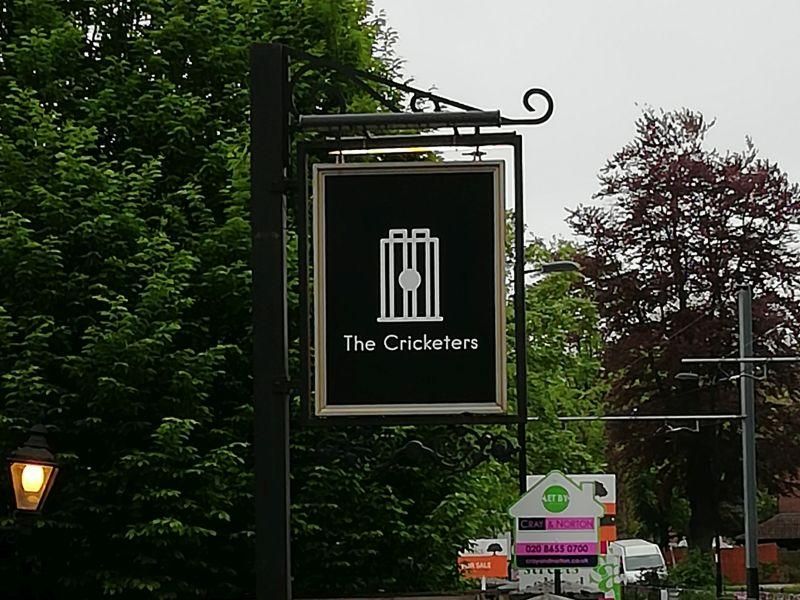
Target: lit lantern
33,470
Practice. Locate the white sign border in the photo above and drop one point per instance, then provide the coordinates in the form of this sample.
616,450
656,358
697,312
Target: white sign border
323,170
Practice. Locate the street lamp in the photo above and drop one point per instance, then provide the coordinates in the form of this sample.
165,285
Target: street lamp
559,266
33,468
688,376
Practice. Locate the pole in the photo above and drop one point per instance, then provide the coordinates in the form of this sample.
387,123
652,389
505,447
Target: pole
718,565
748,441
521,338
269,147
557,582
715,465
717,540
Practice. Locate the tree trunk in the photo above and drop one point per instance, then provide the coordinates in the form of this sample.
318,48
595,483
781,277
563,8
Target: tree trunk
701,490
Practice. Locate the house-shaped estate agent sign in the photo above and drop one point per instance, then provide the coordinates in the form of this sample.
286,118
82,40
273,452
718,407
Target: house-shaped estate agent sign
556,524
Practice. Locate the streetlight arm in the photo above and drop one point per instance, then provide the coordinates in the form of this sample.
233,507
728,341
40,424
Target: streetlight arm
559,266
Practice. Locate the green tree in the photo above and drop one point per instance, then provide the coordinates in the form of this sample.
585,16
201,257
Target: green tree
125,295
125,318
564,367
679,226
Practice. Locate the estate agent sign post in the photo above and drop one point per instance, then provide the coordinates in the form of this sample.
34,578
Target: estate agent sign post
556,525
408,274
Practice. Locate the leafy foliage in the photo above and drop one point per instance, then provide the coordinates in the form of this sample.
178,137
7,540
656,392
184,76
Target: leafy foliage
695,571
125,320
679,228
381,505
125,303
564,354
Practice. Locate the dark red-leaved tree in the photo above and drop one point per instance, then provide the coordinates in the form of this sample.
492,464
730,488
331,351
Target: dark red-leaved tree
674,230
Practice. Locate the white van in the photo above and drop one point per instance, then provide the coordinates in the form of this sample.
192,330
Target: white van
637,558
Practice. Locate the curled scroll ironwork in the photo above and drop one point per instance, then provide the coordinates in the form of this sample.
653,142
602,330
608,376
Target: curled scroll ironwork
326,78
526,102
321,86
471,450
487,447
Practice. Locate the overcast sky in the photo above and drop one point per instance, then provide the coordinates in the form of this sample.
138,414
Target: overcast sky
736,61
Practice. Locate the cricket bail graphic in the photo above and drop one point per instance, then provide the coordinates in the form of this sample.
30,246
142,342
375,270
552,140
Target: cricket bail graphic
409,277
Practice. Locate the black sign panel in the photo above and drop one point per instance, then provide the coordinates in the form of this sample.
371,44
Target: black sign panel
409,288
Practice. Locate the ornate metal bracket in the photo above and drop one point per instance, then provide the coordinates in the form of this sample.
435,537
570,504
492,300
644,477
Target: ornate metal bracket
322,77
486,447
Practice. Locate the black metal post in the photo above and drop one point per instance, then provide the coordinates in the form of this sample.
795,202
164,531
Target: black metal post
716,478
521,338
557,582
269,158
718,564
747,395
718,584
306,321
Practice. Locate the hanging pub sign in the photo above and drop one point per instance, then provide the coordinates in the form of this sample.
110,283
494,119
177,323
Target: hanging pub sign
409,288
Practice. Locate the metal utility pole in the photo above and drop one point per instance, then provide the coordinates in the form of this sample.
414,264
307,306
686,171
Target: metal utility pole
748,440
745,361
269,158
